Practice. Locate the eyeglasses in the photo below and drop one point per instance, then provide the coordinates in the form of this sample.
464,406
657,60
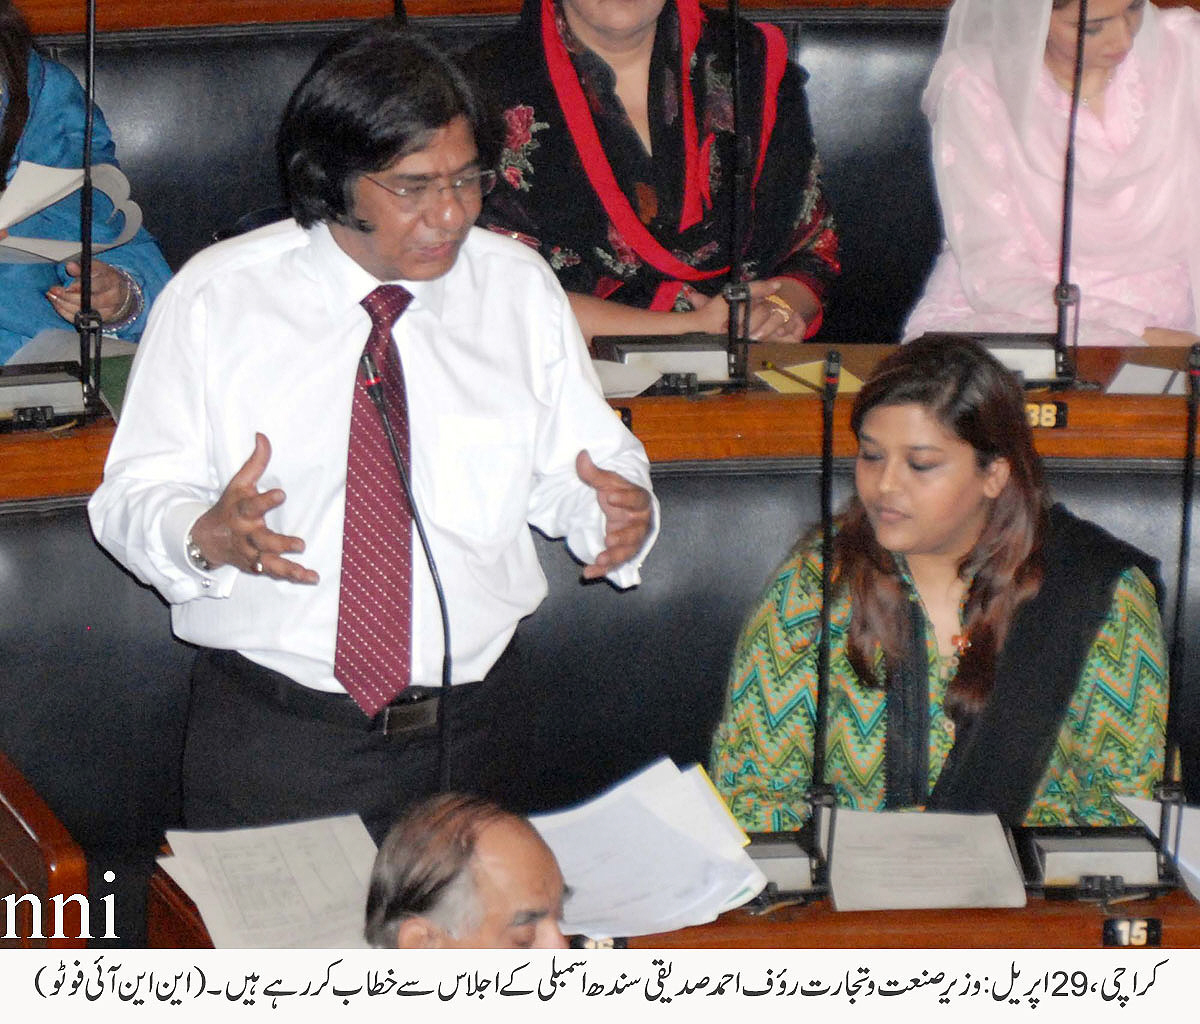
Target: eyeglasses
413,198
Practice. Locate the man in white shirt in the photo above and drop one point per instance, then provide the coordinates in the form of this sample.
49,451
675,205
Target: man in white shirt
226,484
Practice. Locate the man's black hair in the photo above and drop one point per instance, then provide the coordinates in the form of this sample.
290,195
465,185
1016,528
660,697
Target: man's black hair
371,97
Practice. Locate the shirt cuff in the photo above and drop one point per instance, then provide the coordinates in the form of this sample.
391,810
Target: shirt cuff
176,528
629,574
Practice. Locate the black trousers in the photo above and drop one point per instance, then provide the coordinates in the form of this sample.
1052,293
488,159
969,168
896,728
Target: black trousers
262,749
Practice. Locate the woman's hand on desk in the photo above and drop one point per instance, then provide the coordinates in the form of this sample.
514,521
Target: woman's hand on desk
234,531
1163,337
112,293
780,311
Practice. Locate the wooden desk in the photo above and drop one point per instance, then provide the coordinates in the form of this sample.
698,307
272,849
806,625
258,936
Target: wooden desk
174,923
748,424
1040,925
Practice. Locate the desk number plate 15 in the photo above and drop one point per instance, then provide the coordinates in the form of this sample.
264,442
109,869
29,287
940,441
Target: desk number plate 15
1046,415
1132,932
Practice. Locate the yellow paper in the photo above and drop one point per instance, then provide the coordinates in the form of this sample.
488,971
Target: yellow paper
814,374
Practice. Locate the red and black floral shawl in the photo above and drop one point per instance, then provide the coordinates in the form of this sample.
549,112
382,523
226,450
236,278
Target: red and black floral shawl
577,184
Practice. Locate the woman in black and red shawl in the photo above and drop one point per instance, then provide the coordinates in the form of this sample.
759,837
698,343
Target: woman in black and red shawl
617,165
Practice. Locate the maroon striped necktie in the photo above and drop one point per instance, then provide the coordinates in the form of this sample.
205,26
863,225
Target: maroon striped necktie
373,657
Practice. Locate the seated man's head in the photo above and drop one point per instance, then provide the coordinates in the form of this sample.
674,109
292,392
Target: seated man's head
459,871
386,141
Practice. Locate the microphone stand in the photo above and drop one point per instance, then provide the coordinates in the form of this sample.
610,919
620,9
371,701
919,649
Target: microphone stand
1048,359
736,291
1066,294
821,797
87,320
374,385
1170,790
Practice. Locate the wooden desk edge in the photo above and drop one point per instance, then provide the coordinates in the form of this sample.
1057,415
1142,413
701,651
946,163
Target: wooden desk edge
173,922
749,425
1039,925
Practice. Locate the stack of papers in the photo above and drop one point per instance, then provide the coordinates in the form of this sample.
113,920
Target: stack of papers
657,852
899,860
297,886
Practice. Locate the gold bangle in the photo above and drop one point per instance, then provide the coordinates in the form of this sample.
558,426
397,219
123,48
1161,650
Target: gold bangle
781,306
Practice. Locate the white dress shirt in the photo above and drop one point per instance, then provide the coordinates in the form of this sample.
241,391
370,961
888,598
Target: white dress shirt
264,333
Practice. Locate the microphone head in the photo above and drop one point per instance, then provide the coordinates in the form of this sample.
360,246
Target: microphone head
833,371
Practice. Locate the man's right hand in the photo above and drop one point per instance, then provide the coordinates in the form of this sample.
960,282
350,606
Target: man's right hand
234,531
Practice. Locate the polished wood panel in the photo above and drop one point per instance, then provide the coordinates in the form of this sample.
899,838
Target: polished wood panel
172,920
747,424
58,16
759,423
37,857
53,464
66,16
53,16
48,16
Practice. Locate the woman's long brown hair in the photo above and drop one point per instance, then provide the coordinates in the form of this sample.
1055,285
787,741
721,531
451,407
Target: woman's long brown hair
15,43
973,397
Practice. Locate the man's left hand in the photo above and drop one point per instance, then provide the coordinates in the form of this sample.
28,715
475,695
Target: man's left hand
627,511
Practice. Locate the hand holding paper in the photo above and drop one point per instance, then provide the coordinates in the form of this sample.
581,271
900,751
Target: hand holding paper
34,187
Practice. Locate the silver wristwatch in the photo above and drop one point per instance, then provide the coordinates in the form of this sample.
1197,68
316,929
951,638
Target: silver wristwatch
196,556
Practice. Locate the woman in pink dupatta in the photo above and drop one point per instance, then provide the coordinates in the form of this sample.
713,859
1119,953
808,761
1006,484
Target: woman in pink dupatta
998,102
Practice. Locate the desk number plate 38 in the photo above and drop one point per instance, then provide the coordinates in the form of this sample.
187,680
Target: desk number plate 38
1132,932
1046,415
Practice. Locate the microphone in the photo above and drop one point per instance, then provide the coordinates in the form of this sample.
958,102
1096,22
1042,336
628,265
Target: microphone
373,383
1102,870
87,320
737,292
1170,791
798,865
1066,294
821,796
1046,359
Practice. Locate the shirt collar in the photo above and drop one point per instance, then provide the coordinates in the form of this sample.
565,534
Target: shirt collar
347,284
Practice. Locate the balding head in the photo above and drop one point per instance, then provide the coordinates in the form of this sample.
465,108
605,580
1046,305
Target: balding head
459,871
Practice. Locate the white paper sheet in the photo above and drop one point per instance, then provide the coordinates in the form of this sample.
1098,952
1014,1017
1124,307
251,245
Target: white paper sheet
33,187
299,885
1149,813
623,380
909,861
1132,379
652,854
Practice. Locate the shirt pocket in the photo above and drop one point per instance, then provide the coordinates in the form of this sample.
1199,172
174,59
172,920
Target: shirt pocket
483,474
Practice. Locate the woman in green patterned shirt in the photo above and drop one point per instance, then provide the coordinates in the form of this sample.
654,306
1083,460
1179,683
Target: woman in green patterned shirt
988,652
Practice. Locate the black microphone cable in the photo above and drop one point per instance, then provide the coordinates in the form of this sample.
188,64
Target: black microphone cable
374,387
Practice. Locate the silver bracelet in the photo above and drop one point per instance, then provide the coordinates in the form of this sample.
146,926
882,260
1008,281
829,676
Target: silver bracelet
131,308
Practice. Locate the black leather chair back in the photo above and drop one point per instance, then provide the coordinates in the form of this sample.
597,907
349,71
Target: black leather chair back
194,113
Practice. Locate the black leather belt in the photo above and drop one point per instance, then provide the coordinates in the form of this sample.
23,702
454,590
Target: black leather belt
413,710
